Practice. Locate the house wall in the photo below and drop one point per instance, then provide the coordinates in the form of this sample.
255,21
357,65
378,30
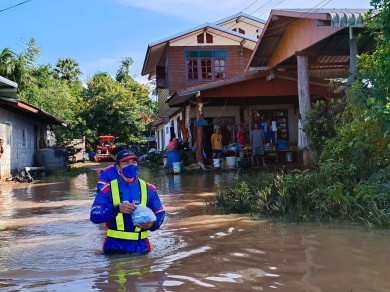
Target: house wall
16,155
236,62
299,35
166,127
162,98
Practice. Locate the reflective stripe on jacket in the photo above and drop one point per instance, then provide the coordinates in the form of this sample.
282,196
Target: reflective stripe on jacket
120,233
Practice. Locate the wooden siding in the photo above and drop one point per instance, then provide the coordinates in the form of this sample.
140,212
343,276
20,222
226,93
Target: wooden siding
261,87
298,36
177,74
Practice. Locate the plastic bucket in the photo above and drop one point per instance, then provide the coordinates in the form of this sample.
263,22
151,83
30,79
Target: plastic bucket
172,156
289,156
176,167
92,155
231,161
217,163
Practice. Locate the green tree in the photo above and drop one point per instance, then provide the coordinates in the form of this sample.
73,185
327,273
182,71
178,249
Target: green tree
112,109
123,73
7,62
25,62
68,69
362,138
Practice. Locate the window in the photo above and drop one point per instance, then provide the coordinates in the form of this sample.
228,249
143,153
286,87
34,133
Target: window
239,30
206,69
24,138
219,69
206,65
192,69
8,133
209,38
200,38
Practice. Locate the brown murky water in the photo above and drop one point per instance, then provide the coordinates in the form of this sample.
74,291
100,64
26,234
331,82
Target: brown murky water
47,243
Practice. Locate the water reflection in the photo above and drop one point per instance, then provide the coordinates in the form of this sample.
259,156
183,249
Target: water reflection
47,243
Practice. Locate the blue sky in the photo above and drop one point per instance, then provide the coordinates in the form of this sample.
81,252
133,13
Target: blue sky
99,33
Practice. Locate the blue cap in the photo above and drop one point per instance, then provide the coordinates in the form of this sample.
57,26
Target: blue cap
125,155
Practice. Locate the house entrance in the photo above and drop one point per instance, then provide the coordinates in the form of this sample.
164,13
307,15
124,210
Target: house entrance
274,123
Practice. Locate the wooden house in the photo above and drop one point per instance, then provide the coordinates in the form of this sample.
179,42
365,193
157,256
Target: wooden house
296,53
209,53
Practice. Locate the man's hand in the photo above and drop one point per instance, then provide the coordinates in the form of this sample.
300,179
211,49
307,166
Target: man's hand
127,208
145,226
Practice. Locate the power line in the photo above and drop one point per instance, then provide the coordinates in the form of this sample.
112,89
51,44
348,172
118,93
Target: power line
21,3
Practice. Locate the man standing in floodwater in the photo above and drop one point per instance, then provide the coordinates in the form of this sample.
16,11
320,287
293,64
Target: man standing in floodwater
117,200
110,172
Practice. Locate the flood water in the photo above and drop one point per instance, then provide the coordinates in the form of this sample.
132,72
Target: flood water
47,243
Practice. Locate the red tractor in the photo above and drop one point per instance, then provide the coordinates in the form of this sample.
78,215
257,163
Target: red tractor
104,147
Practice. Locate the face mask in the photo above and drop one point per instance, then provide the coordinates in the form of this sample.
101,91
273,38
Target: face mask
130,171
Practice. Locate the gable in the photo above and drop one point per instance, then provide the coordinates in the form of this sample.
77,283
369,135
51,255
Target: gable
245,26
218,40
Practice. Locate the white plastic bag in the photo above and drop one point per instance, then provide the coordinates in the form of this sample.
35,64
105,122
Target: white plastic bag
142,214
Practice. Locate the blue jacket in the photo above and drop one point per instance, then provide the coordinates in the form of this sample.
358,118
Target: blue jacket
106,175
103,211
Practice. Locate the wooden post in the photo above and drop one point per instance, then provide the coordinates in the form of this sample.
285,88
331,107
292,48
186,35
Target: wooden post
303,96
199,132
183,128
352,56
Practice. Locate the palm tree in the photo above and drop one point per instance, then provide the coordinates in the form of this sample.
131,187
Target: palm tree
68,69
7,63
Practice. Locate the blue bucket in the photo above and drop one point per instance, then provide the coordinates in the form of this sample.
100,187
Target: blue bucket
172,156
92,156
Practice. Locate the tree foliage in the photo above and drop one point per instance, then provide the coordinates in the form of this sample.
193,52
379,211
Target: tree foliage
103,106
114,108
362,136
68,69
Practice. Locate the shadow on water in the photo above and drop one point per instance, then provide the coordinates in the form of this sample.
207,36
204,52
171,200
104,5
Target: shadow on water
47,243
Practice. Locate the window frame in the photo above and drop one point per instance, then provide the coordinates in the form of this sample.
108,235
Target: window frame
199,57
8,134
193,73
24,137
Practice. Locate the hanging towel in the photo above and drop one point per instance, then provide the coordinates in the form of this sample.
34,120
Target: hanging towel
273,126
